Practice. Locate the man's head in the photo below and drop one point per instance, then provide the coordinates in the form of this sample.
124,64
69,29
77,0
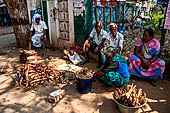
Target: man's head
37,20
113,29
110,52
98,27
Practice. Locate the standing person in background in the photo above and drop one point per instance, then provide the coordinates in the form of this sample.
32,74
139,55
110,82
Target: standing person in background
95,42
38,39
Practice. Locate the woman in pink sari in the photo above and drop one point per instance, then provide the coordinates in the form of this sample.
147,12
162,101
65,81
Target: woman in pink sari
145,62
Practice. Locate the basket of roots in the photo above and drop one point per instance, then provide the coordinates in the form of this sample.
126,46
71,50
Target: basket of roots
84,81
129,99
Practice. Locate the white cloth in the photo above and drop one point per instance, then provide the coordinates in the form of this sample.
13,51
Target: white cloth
38,33
35,16
98,39
115,42
68,67
36,40
75,58
145,50
39,28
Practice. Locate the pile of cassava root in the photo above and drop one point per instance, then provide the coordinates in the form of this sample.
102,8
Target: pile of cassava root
130,96
85,74
32,75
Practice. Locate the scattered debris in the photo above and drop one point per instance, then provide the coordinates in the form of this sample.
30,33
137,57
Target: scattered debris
130,96
48,49
161,88
66,76
2,70
8,66
65,57
67,102
56,96
50,57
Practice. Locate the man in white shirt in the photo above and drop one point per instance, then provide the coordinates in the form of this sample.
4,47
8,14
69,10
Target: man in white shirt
94,42
38,39
114,38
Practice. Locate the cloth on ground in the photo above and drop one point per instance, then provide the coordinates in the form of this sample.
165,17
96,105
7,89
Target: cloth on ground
75,58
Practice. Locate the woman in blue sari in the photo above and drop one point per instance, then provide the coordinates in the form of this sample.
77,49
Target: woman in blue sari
115,71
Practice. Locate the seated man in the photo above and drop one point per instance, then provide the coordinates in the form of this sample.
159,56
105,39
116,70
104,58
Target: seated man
38,39
114,38
115,71
94,42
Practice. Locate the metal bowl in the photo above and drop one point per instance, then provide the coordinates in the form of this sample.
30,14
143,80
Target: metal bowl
126,109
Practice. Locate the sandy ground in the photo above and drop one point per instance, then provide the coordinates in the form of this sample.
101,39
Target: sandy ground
16,99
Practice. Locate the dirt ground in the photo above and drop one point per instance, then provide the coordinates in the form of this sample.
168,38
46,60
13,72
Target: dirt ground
17,99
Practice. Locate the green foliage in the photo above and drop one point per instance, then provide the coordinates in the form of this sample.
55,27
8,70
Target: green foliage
155,22
147,22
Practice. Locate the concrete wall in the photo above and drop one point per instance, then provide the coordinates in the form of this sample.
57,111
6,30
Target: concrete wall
52,22
68,39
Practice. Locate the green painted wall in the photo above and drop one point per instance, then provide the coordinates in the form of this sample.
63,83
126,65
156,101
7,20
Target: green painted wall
79,30
88,16
44,4
84,25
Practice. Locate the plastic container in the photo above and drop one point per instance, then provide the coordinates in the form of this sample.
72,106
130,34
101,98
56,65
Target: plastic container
126,109
84,85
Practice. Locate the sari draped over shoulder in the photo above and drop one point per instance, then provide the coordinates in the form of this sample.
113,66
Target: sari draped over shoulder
148,51
119,76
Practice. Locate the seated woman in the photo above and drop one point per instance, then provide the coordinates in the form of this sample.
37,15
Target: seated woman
145,62
115,70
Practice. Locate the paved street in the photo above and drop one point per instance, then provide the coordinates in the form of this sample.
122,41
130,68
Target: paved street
6,40
7,37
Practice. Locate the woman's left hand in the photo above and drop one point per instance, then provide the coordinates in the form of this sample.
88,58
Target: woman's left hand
146,65
98,74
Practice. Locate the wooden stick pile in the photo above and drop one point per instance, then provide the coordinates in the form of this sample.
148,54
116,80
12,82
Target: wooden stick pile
26,53
32,75
130,96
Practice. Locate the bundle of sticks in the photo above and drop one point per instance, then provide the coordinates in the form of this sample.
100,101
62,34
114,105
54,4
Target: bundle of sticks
30,52
130,96
26,53
32,75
